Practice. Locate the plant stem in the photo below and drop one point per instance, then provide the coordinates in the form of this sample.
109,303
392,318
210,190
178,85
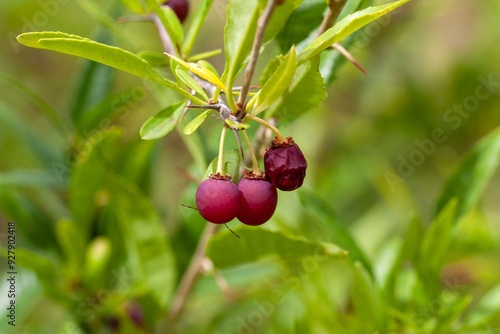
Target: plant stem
340,49
191,273
280,138
331,15
255,162
254,55
164,37
220,159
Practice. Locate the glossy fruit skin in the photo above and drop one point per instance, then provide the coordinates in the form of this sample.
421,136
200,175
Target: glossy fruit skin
285,165
218,200
180,8
258,198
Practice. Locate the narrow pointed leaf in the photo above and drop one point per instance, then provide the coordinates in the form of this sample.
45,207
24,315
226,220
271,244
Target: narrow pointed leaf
201,71
191,83
163,122
277,84
195,123
258,244
200,16
470,179
109,55
347,26
239,33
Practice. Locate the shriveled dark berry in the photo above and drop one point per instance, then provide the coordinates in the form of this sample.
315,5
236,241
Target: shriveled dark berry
285,165
218,200
180,8
258,199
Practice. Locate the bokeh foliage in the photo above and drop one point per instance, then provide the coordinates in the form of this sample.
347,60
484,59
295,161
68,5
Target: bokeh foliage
102,234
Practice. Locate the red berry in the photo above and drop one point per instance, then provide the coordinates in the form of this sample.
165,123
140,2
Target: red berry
285,165
180,8
258,199
218,200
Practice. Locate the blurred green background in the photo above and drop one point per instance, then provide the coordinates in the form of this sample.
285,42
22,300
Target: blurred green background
423,63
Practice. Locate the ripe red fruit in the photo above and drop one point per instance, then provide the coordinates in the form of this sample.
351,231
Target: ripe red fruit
218,199
180,8
285,165
258,198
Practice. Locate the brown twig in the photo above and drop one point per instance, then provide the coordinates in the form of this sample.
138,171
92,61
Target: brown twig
191,274
254,55
349,57
168,46
334,9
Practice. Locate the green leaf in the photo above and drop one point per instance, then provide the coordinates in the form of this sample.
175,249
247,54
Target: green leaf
149,254
471,177
331,60
307,90
93,86
72,244
209,67
88,176
44,268
202,10
486,309
156,59
231,165
29,178
191,82
40,104
345,27
235,125
259,244
277,84
46,151
337,233
279,17
408,251
163,122
204,55
172,24
366,300
301,22
135,6
82,47
109,55
201,71
195,123
239,33
111,107
168,19
436,244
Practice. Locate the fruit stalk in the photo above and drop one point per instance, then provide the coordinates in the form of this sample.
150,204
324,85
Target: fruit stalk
255,162
279,137
220,159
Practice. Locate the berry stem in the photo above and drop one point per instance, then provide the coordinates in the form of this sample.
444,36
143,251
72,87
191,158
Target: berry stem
279,137
220,159
255,162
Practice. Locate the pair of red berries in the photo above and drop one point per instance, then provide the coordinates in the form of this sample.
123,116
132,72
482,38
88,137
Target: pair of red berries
253,201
